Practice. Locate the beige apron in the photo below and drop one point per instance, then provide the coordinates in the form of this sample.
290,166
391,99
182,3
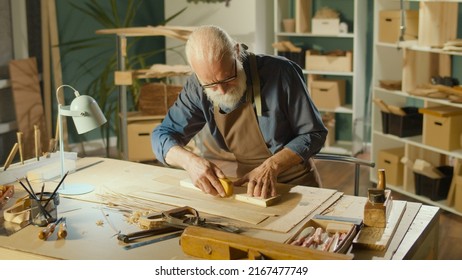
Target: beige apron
244,139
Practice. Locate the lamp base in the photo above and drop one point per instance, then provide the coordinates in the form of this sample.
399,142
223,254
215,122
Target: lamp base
76,189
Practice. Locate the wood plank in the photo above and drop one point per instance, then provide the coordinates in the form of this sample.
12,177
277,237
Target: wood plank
28,104
379,238
56,63
239,194
422,232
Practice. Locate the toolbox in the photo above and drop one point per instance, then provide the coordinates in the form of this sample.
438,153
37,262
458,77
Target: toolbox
330,227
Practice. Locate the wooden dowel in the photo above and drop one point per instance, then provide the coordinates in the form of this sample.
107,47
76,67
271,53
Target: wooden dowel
20,146
10,157
38,146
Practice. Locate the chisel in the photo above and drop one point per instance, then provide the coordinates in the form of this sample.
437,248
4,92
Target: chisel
46,232
62,232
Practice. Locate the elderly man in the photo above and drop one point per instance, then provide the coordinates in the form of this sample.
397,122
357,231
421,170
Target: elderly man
256,107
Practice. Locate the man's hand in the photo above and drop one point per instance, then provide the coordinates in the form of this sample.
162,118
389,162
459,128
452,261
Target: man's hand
261,181
203,173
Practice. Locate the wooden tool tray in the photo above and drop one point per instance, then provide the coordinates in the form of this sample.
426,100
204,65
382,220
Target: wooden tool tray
342,247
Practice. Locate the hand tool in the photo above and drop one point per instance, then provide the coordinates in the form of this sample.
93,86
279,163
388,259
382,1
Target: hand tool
46,232
62,232
187,216
126,238
152,241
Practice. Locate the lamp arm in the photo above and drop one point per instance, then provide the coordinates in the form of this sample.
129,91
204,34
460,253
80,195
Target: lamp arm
76,93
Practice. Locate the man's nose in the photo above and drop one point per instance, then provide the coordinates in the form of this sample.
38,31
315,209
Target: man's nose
222,88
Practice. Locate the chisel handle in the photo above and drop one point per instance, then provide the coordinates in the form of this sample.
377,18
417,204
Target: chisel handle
62,232
46,232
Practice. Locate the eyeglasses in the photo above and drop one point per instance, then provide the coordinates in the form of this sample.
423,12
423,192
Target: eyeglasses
224,81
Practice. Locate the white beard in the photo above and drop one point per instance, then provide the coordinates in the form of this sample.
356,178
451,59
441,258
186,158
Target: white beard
232,96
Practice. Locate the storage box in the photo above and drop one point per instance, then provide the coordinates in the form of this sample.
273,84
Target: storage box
139,140
328,94
442,127
297,57
435,189
328,26
458,193
334,63
390,23
408,125
385,121
350,230
390,160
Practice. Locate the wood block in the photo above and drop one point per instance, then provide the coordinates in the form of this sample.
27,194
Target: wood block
303,16
239,195
376,214
123,78
373,238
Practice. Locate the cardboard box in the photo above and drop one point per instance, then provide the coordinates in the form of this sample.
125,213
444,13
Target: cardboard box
458,194
390,160
328,94
390,23
139,140
442,127
327,26
333,63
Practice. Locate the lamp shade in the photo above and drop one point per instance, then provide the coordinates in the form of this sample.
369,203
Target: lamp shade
91,116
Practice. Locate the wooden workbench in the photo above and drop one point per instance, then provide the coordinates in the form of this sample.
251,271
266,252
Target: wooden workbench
93,226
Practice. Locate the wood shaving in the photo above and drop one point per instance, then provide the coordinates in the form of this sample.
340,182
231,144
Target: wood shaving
100,223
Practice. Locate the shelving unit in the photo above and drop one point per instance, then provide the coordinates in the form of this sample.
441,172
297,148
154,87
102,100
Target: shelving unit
123,77
349,118
414,62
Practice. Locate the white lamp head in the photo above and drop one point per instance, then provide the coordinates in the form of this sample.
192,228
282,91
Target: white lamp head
90,117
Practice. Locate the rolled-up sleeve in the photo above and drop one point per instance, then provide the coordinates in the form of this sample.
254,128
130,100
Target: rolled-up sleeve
183,120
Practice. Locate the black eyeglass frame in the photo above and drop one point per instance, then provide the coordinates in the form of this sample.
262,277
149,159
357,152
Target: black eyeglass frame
224,81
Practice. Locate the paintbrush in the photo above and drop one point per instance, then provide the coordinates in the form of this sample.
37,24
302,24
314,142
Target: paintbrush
56,189
34,197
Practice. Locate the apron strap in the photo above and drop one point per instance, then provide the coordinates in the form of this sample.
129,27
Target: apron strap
255,83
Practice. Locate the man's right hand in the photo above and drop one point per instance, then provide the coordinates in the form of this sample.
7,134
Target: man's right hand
203,173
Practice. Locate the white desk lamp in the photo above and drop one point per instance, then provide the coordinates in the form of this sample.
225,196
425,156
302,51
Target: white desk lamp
87,116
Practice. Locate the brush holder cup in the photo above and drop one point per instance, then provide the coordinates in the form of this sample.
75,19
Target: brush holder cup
44,210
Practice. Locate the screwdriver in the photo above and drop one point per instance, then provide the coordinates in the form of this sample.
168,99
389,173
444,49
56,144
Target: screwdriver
62,232
46,232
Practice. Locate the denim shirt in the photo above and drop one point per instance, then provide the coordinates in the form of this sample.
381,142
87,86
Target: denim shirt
289,117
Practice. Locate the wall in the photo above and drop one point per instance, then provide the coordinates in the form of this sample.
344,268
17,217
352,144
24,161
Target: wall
247,21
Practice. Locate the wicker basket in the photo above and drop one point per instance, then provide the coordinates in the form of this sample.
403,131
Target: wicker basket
156,98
